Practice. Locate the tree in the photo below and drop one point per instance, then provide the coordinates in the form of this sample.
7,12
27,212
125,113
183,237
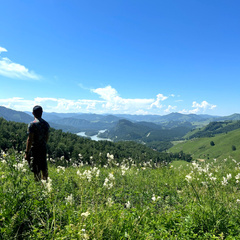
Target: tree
212,143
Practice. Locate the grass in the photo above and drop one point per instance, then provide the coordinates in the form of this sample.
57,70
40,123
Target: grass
178,201
201,148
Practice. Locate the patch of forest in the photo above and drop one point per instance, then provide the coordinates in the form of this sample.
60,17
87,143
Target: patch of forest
70,147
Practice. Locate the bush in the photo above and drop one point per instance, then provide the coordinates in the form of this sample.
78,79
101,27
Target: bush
212,143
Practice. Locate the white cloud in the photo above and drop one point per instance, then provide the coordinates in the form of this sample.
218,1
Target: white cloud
199,107
108,93
170,109
157,103
15,70
50,104
110,102
113,102
3,49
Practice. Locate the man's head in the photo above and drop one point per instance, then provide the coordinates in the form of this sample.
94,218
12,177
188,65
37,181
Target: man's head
37,111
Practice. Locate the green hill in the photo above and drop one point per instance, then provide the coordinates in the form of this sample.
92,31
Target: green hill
16,116
146,132
200,148
214,128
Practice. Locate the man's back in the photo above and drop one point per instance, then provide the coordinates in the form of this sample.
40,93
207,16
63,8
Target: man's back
40,128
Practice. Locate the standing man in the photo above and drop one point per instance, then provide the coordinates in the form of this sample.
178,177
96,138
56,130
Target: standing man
38,132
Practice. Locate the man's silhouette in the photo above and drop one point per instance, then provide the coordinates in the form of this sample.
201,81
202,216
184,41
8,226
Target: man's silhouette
36,149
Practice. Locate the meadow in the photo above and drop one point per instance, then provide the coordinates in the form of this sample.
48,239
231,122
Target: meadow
201,147
180,200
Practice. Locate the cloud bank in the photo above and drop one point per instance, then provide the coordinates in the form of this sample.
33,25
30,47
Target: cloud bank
110,102
15,70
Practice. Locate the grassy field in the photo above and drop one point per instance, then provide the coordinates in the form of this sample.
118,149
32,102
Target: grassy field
198,200
200,148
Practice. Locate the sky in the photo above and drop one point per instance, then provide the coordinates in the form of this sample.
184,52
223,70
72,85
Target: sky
121,56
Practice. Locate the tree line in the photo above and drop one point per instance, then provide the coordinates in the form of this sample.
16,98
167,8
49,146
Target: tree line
71,147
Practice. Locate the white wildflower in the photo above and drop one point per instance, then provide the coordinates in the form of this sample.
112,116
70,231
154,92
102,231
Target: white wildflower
20,167
154,198
111,177
224,181
237,176
60,168
128,204
188,177
69,199
229,176
109,202
47,184
85,214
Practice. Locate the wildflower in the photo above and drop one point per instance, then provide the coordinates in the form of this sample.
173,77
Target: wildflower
229,176
47,184
188,177
85,214
109,202
238,200
110,156
224,181
213,178
59,168
20,167
154,198
69,199
111,177
128,204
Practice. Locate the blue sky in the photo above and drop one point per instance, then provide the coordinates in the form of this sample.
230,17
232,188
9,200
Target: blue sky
137,57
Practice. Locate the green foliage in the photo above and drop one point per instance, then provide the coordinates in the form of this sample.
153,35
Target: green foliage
234,148
212,143
178,201
67,147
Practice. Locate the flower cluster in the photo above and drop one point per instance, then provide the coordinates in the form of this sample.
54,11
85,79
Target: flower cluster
47,185
108,182
60,168
89,174
69,200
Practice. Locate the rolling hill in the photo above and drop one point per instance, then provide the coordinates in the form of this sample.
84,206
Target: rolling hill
16,116
200,148
145,132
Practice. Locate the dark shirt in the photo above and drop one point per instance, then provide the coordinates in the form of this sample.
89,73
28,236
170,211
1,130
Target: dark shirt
40,128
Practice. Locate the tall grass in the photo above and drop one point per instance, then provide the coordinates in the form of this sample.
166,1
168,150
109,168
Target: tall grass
120,201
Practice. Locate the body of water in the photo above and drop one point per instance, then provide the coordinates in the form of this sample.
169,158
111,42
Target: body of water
94,137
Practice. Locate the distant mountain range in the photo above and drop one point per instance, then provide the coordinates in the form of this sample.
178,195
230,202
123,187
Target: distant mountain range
82,122
16,116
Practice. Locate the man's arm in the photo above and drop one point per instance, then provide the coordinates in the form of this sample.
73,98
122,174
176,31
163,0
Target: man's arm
29,144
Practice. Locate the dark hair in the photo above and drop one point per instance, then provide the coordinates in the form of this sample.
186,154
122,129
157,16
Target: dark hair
37,111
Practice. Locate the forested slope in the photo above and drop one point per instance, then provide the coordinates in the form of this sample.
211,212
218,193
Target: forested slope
70,147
